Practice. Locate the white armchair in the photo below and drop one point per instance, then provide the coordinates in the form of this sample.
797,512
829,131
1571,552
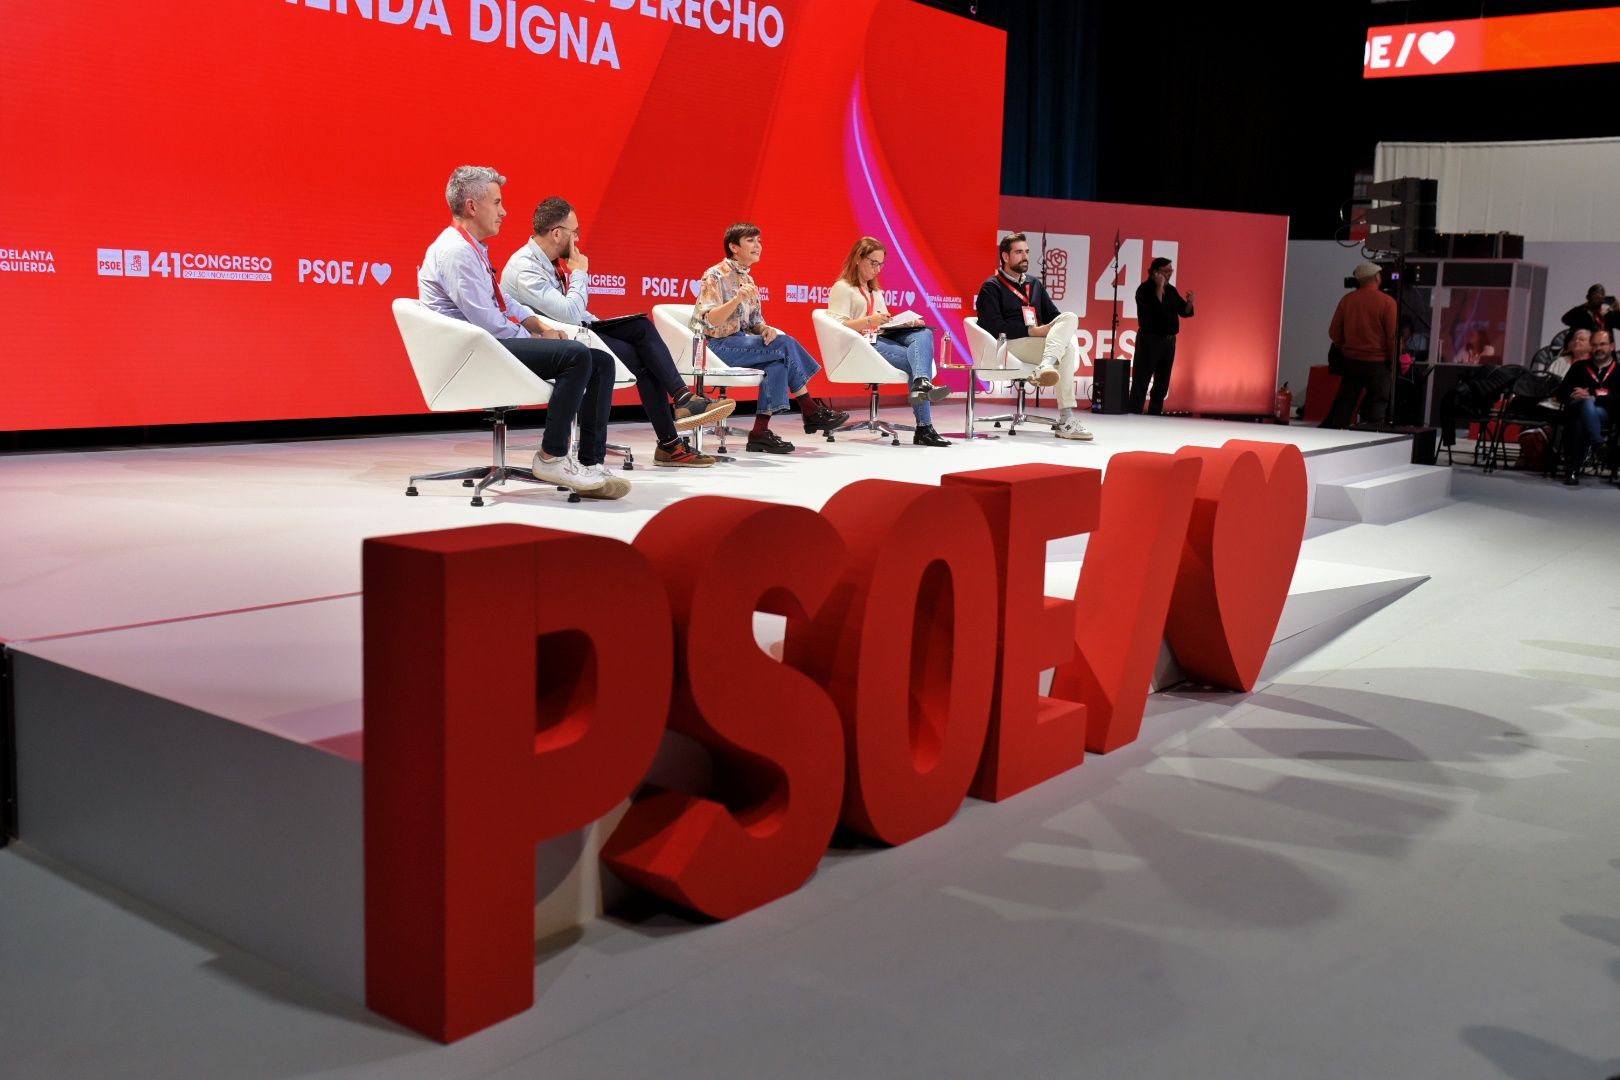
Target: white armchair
849,358
992,360
674,325
461,367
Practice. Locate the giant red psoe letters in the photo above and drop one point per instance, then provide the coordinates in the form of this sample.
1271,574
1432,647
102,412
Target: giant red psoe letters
518,682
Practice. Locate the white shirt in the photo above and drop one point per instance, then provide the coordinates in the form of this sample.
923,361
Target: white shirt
533,278
456,280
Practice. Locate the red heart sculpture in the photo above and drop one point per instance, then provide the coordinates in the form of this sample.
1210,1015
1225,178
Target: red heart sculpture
1238,559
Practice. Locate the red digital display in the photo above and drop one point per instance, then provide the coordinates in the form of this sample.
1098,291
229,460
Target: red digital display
1503,43
208,208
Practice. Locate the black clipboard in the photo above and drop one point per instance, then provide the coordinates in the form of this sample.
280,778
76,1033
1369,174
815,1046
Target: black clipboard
617,320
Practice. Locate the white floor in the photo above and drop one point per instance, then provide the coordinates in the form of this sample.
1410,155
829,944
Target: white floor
1397,859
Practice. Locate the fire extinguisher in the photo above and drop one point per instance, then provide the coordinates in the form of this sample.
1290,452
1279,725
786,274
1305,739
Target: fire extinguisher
1284,408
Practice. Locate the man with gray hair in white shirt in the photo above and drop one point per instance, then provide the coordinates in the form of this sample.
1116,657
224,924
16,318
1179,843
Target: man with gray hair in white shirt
457,279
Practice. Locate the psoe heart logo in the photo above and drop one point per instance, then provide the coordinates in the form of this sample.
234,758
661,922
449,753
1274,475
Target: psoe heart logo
671,288
1397,51
342,272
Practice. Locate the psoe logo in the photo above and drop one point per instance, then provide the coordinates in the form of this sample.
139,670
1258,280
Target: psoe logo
123,262
1055,272
1433,45
670,287
803,294
342,272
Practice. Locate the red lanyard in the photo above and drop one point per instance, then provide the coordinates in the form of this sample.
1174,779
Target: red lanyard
1604,381
494,282
871,300
1024,295
562,274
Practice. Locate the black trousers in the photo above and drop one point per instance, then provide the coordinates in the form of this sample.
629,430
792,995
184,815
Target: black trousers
1155,356
639,348
1371,376
581,387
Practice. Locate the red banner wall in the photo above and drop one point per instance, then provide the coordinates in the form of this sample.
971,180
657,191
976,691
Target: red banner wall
1226,358
208,207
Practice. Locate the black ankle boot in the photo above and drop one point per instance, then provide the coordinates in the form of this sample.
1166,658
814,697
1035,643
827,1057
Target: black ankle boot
925,435
825,419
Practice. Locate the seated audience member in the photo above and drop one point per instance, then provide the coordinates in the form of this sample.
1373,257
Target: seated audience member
856,300
1588,316
1589,392
1577,347
1014,304
728,312
1534,441
458,280
552,275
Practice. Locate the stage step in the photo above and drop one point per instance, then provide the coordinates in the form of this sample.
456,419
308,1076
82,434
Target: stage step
1382,497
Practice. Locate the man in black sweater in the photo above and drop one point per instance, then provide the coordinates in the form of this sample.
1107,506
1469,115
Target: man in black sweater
1590,393
1159,311
1014,304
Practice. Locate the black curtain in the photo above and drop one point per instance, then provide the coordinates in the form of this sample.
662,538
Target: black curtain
1223,108
1049,139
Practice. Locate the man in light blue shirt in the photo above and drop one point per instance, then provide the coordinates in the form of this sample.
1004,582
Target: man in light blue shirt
551,274
457,279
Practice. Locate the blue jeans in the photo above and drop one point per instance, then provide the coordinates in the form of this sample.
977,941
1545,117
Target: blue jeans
786,364
1586,419
912,351
581,387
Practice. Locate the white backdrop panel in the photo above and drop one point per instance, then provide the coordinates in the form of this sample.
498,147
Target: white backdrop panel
1557,189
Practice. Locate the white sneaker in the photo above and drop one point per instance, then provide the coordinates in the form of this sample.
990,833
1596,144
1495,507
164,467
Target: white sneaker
565,472
1071,429
1046,373
611,486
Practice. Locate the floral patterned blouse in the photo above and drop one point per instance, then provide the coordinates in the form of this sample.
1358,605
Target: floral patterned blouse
720,283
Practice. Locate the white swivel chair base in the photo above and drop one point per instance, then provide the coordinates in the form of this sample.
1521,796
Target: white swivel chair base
1019,415
721,430
484,476
872,423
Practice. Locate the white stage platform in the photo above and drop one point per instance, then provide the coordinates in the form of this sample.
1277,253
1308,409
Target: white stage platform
184,628
124,537
185,637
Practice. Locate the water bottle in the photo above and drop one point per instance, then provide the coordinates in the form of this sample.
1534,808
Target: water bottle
700,352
